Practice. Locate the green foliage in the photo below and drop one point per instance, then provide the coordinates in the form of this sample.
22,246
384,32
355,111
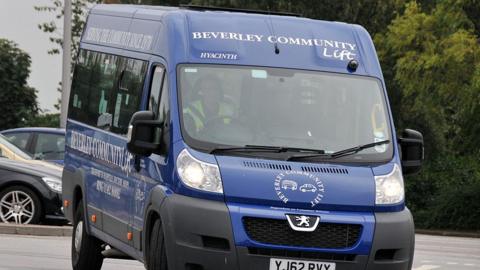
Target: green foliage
45,120
472,9
446,194
432,59
18,100
364,12
431,63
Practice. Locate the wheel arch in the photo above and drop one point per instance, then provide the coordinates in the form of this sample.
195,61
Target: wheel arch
73,191
152,214
28,185
77,197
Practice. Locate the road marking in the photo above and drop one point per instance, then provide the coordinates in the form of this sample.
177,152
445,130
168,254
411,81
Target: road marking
452,263
426,261
447,248
469,264
427,267
448,253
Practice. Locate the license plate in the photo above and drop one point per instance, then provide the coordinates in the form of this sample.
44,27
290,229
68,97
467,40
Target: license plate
282,264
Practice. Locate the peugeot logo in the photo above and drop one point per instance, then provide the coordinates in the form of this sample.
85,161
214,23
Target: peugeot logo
303,223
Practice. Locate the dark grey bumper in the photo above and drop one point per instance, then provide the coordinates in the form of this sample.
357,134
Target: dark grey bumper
199,235
393,242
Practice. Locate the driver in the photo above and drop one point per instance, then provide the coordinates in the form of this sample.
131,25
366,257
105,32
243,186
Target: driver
209,106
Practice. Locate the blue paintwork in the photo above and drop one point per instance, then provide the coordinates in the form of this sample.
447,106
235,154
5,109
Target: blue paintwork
248,191
345,192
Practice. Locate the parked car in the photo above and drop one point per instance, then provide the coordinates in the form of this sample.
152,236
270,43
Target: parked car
41,143
10,151
29,193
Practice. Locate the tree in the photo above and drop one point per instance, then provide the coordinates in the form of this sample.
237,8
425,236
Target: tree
431,62
79,14
45,120
18,100
374,15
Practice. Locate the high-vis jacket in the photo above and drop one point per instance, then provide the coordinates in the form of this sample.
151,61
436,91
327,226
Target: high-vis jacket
196,111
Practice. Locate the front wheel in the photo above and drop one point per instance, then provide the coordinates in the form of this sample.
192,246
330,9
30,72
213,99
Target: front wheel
86,249
157,256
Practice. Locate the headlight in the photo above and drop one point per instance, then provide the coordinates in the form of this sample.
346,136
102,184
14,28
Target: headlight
53,183
198,174
389,188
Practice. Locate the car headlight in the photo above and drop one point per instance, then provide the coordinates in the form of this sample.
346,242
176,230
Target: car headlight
389,188
198,174
53,183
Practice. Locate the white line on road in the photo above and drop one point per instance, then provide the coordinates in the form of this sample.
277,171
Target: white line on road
451,253
427,267
448,248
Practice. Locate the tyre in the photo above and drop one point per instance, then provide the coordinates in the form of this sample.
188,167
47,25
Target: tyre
86,249
157,256
20,205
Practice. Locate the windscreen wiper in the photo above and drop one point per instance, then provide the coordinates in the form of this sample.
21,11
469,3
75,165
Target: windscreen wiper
341,153
246,148
262,148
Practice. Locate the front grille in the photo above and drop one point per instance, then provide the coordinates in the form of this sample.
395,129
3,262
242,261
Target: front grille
284,253
278,232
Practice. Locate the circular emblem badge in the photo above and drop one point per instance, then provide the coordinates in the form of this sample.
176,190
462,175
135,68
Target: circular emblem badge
300,185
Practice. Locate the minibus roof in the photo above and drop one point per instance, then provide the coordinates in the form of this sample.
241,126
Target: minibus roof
195,35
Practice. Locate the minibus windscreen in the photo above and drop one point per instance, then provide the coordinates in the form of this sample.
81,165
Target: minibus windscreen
234,106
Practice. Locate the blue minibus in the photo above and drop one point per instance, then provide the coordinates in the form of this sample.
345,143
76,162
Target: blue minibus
204,138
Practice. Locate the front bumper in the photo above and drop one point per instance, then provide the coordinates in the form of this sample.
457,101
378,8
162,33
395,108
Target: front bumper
206,235
53,206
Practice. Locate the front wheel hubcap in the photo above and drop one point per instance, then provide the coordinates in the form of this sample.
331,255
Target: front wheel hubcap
78,236
17,207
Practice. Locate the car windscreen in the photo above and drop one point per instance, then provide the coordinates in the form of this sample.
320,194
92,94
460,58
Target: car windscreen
224,105
4,141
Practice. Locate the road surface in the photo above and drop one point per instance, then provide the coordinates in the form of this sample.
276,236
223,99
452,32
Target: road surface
446,253
53,253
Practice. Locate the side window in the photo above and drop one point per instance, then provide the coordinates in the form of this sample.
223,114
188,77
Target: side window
106,90
92,88
20,139
49,147
159,104
164,108
129,94
155,88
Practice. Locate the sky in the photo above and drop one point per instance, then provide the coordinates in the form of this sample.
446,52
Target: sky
18,22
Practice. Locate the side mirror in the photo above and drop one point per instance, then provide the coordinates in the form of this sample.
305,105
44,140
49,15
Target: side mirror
411,143
141,133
